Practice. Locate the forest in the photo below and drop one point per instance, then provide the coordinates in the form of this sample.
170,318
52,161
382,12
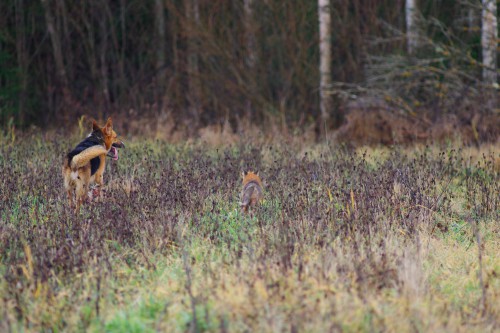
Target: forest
194,63
249,166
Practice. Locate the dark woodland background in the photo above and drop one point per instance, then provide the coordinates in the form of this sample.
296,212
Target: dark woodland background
188,60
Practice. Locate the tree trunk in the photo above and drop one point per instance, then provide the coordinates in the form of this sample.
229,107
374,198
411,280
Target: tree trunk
194,95
489,41
160,49
56,44
105,99
411,26
123,47
62,79
471,19
251,54
62,13
251,57
325,60
22,59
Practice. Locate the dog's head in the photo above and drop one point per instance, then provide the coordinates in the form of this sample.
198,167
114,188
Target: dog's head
109,137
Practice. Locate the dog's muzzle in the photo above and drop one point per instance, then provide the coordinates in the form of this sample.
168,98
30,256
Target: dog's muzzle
113,152
118,145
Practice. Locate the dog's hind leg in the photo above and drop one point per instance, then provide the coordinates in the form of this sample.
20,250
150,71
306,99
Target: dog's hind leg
77,207
69,185
81,194
70,198
99,179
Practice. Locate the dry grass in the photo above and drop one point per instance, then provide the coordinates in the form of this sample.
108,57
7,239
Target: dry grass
367,240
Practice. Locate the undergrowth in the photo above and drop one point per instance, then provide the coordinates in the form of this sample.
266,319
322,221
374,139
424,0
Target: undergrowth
344,241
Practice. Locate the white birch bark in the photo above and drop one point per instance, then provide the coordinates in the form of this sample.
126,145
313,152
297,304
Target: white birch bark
411,26
325,60
489,41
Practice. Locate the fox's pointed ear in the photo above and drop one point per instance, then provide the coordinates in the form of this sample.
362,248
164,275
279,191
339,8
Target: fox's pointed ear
95,127
109,122
257,172
244,173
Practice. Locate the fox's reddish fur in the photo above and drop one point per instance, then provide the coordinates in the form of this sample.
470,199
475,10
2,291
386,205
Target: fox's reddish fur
77,168
251,193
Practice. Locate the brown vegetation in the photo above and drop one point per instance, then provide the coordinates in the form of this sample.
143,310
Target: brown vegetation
378,240
372,122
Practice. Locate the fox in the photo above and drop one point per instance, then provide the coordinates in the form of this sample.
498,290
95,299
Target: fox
252,191
85,164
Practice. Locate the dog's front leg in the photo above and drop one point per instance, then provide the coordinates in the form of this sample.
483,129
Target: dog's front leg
96,192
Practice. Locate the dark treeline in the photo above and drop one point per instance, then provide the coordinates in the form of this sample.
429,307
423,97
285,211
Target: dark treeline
203,61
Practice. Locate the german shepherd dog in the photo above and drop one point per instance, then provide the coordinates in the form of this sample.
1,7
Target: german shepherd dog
84,165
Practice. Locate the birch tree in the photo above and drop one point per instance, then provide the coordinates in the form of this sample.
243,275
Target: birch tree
489,41
411,26
325,60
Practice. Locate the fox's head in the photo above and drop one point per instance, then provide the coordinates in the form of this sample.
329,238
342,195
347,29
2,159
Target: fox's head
249,176
109,137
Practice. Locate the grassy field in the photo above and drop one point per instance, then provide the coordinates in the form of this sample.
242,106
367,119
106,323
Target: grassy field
366,240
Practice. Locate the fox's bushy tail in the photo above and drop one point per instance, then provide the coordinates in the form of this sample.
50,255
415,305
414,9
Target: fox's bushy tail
246,197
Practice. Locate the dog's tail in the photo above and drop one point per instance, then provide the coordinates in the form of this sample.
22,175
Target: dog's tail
85,156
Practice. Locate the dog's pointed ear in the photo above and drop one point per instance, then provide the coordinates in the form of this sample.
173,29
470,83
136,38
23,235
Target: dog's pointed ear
95,126
108,128
243,174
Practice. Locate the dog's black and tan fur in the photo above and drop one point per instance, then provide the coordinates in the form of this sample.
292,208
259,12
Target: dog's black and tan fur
85,164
